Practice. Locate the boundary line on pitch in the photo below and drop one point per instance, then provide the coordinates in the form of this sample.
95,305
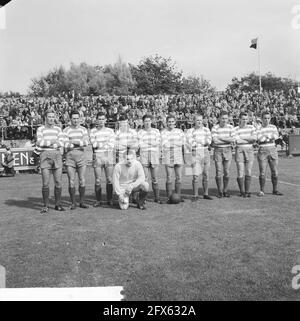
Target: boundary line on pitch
281,182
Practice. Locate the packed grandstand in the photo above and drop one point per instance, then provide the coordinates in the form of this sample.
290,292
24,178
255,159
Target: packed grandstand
20,116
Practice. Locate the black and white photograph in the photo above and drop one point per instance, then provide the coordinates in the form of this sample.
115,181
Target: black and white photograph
150,151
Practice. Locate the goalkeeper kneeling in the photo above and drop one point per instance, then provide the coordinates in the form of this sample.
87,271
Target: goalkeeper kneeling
129,177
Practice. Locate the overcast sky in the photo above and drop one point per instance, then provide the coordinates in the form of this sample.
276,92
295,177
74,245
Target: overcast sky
204,37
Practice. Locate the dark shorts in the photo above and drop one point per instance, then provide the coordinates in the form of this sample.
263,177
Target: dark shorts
76,158
51,159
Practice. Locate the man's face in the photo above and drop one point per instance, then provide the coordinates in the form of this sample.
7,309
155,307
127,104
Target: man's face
75,120
101,121
198,121
129,160
243,120
50,117
224,120
266,120
171,123
123,125
147,123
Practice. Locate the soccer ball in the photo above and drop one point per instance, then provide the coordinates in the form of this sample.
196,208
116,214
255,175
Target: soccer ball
124,204
175,198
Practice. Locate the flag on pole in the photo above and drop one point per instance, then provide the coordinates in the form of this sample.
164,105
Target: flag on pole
2,18
253,43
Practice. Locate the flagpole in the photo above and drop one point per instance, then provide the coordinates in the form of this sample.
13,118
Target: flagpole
259,73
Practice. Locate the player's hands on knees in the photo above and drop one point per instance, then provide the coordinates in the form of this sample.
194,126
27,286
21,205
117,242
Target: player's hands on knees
128,189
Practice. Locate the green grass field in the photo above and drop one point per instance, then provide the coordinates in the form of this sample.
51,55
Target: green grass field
225,249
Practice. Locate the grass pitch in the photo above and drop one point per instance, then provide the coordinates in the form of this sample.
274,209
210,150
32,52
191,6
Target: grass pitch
225,249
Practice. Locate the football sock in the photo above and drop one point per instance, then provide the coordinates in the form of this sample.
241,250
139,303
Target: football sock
45,193
98,193
109,192
72,194
155,191
219,182
225,183
247,183
240,181
205,187
57,195
274,182
81,194
169,189
195,188
262,182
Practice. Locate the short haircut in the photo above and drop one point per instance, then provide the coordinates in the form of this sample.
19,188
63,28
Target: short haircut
74,112
198,114
265,113
223,113
101,113
130,151
147,116
49,111
169,117
243,114
123,117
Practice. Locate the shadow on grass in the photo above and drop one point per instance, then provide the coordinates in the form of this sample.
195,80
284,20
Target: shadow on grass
36,203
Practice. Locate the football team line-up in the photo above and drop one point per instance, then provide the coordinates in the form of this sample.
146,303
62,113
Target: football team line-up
126,175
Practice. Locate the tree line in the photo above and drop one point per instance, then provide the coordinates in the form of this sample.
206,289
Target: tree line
151,76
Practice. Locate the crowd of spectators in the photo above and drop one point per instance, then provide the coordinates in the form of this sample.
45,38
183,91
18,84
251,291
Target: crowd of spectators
20,116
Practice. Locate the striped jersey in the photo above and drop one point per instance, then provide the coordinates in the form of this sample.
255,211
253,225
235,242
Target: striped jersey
76,135
267,135
149,144
102,139
126,139
172,143
197,138
49,138
242,133
219,132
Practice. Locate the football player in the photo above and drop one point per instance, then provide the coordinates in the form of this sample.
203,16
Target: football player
267,153
103,142
149,145
244,153
76,138
223,136
198,139
50,140
129,177
126,138
172,144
